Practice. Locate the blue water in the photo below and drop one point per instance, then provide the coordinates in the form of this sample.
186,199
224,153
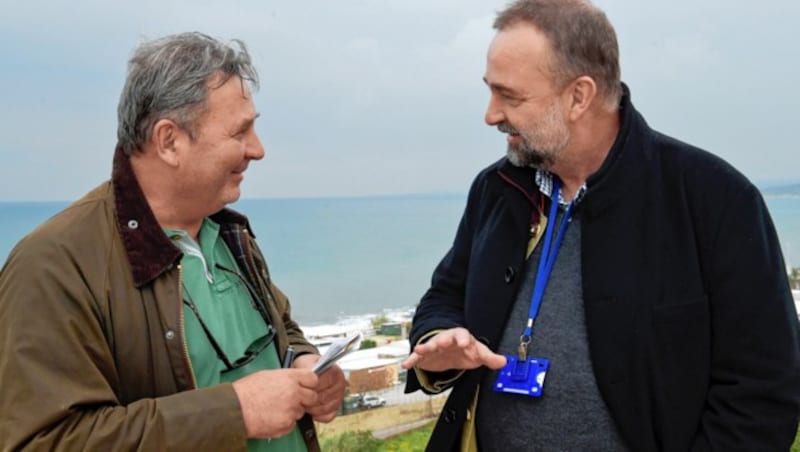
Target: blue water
334,258
785,213
343,257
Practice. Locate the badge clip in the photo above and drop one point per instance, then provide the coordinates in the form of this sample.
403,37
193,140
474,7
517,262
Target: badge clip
525,377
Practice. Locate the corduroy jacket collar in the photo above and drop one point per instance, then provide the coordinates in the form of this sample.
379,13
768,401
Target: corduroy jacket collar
149,250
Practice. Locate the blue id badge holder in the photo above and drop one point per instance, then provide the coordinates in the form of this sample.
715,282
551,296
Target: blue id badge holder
523,376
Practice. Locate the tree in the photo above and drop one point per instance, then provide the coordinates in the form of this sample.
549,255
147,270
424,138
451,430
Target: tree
378,321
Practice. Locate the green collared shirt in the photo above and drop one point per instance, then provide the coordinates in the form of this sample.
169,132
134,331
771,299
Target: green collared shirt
227,310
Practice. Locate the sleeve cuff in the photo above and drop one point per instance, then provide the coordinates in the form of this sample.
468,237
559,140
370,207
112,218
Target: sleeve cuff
435,382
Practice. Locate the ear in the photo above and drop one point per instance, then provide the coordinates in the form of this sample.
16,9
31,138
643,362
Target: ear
166,140
582,93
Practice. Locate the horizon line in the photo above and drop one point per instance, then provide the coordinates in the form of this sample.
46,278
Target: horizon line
764,186
287,198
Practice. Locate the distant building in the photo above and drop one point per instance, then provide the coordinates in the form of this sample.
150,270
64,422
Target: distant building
372,378
376,368
796,296
794,278
391,329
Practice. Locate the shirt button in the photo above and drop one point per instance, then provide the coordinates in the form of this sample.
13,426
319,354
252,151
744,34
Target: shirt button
450,415
510,273
170,335
133,224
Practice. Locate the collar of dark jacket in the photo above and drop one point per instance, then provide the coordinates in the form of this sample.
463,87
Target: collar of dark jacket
616,173
150,252
622,167
521,178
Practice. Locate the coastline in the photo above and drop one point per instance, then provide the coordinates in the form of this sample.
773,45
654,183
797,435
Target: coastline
348,324
318,333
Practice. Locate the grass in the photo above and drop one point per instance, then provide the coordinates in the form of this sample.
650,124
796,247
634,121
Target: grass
412,441
363,441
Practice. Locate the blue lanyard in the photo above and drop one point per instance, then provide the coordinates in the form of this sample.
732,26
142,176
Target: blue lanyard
546,261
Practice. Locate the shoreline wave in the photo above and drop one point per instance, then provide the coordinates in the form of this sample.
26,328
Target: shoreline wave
347,324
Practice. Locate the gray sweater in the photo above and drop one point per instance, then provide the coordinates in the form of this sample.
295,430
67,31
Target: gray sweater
570,415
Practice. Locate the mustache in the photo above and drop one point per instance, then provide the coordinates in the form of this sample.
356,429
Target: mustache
506,128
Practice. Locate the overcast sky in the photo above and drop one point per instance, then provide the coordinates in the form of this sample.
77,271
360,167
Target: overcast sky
362,97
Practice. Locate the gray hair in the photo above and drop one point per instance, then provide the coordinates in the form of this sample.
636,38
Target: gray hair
169,78
583,40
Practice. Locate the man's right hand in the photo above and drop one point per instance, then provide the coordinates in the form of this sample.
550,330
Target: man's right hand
273,400
455,348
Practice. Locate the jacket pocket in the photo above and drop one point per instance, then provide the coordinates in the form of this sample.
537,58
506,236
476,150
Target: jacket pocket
682,326
681,360
675,309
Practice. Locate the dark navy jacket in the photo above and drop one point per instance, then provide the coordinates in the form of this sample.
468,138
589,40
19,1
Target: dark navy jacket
692,329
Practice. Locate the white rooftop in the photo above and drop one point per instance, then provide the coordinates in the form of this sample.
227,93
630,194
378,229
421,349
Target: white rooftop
383,355
330,331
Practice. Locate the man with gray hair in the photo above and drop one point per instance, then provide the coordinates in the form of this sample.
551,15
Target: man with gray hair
609,287
143,315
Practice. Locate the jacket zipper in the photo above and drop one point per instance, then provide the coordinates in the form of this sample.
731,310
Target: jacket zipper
182,327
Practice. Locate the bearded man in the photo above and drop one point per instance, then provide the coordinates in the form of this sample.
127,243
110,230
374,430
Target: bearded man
609,287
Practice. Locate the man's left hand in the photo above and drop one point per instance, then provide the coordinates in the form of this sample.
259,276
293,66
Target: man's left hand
330,389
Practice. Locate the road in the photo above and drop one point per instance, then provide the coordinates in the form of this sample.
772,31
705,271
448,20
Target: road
396,396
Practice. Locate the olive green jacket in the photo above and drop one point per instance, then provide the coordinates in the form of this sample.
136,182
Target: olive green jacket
92,350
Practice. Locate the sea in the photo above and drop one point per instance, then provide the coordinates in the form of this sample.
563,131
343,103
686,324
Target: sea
343,261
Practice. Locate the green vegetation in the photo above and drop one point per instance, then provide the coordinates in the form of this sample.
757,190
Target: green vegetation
363,441
412,441
367,343
794,278
351,441
378,321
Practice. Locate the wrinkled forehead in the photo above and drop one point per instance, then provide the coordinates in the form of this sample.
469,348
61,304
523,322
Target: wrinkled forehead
228,104
519,52
220,80
522,45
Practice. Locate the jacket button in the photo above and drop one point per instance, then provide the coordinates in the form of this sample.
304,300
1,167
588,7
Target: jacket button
450,415
510,273
170,335
133,224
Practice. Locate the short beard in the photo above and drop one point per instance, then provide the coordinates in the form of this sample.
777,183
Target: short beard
541,145
524,156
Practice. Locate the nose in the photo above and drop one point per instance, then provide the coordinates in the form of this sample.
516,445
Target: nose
254,150
494,114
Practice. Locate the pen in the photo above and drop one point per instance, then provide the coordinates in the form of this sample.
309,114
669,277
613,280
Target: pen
288,358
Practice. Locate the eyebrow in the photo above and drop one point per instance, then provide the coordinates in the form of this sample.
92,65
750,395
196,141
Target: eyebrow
500,87
244,125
